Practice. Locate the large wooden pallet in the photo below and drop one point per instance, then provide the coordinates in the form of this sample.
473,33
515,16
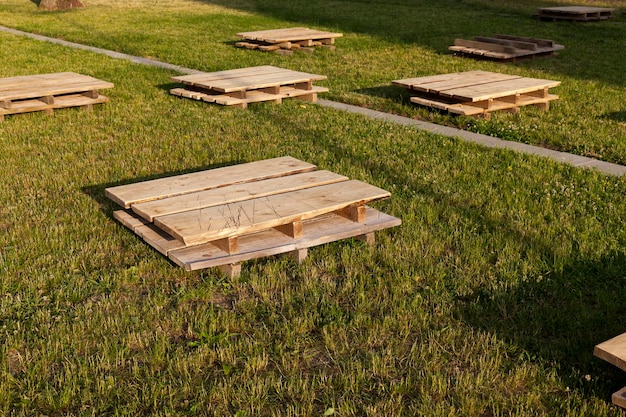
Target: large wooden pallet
242,86
575,13
224,216
614,352
478,93
285,41
505,47
47,92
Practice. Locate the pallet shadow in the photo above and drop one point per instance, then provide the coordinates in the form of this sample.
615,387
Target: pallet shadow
555,319
618,116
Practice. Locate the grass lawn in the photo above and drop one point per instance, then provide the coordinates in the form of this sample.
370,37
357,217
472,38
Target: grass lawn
487,301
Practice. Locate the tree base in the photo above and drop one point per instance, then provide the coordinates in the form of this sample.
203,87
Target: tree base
60,4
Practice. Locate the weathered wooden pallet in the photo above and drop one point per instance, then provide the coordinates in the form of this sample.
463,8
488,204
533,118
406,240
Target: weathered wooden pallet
224,216
47,92
286,40
242,86
505,47
478,93
575,13
614,352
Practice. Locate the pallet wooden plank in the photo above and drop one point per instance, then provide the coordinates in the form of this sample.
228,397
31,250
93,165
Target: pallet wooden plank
126,195
220,75
437,83
492,90
200,226
613,351
288,35
247,79
31,86
316,232
151,234
619,398
234,193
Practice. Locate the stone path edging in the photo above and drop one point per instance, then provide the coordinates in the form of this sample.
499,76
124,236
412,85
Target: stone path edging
484,140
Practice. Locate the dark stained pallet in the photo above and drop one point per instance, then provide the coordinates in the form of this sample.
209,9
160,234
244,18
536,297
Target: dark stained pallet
504,47
575,13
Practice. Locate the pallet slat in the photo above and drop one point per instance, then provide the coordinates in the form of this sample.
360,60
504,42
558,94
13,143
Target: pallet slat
218,222
234,193
126,195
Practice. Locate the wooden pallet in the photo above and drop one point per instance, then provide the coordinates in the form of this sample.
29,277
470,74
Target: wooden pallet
478,93
47,92
614,352
505,47
224,216
242,86
285,41
575,13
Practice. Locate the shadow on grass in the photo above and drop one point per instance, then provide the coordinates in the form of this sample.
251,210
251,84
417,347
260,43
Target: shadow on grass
618,116
555,319
559,318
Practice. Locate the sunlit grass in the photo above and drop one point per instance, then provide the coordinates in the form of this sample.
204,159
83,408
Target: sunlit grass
488,299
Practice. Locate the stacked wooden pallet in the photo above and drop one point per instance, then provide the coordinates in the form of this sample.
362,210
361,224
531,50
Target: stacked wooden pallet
575,13
285,41
504,47
478,93
614,352
242,86
46,92
224,216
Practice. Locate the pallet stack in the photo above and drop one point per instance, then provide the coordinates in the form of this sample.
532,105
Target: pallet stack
242,86
478,93
575,13
614,352
223,216
505,47
47,92
285,41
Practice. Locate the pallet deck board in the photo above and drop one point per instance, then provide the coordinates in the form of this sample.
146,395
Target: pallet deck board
47,92
505,47
230,217
286,39
239,87
575,13
247,216
478,92
614,352
129,194
234,193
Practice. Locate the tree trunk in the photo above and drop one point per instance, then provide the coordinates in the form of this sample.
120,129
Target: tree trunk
59,4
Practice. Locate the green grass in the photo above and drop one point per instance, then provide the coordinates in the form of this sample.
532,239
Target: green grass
488,300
